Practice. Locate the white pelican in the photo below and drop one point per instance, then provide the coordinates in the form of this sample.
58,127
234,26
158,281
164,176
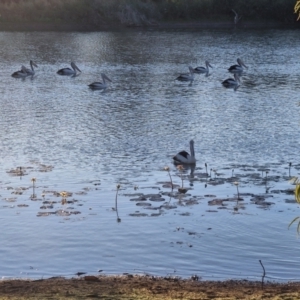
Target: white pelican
237,68
184,157
20,74
31,72
100,85
68,71
232,83
187,76
202,70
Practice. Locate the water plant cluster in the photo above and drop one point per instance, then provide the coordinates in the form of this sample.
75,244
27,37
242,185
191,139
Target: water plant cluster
143,12
249,186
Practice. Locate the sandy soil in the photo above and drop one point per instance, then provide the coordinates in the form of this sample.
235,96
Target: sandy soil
144,288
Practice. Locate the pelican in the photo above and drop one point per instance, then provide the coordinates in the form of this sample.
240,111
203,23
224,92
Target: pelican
184,157
30,72
20,74
237,68
187,76
232,83
68,71
202,70
100,85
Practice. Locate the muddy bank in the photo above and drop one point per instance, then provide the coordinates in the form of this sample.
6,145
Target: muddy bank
144,287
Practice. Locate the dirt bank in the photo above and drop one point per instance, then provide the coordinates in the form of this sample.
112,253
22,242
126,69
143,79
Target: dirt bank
144,288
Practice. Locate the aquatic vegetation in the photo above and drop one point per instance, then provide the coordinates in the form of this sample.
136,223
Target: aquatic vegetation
33,180
297,9
237,189
116,202
296,181
64,196
168,170
19,171
181,189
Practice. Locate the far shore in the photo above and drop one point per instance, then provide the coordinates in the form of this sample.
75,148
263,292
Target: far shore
82,27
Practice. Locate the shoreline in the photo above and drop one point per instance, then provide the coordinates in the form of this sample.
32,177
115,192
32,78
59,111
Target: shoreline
144,287
68,27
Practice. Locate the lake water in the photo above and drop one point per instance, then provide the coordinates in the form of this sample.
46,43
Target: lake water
86,142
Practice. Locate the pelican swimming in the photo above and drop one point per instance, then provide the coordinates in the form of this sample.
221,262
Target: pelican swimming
20,74
187,76
100,85
184,157
232,82
31,72
68,71
202,70
237,68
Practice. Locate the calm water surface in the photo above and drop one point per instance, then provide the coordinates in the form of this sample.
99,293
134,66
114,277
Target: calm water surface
86,142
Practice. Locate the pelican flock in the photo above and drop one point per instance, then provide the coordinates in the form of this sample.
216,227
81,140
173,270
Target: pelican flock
69,71
100,85
183,157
